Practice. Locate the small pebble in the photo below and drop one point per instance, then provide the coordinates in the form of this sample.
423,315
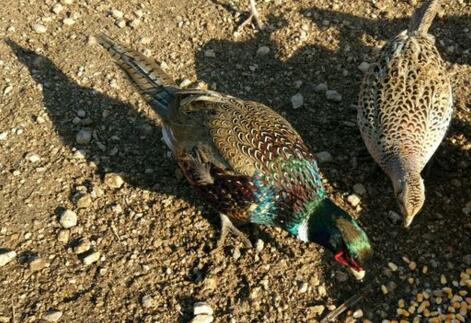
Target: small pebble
324,157
113,180
358,314
392,266
321,88
52,316
68,2
202,308
6,257
3,135
412,265
68,219
303,287
57,8
68,21
84,201
333,95
353,199
121,23
32,157
37,264
259,245
7,90
91,258
263,50
84,136
147,301
236,253
364,66
297,101
38,28
117,13
210,53
394,216
202,318
359,189
63,236
318,309
83,246
384,289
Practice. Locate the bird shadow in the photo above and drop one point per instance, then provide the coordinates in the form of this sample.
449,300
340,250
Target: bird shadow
124,141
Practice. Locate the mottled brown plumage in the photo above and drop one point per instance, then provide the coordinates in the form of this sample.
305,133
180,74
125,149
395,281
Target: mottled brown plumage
245,160
405,107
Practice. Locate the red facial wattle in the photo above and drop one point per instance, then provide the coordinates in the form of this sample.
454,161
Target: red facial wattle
346,260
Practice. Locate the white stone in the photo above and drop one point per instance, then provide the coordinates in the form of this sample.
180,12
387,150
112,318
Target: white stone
394,216
68,21
32,157
121,23
7,90
80,154
118,14
263,50
147,301
53,316
68,219
210,53
324,157
358,314
113,180
84,136
364,66
38,28
6,257
467,209
57,8
202,318
333,95
297,100
82,247
3,135
353,199
63,236
321,88
303,287
359,189
91,258
259,245
202,308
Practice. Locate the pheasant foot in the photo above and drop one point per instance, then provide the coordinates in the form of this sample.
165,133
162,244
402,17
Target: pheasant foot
253,16
226,227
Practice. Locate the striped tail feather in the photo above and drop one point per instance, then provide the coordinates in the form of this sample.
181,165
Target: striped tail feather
423,17
157,88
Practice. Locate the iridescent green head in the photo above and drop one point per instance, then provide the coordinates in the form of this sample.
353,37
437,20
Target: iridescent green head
333,228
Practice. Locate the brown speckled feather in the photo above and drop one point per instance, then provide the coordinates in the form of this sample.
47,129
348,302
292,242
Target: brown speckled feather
405,107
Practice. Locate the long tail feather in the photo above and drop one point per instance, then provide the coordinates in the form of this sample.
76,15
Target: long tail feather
153,83
423,17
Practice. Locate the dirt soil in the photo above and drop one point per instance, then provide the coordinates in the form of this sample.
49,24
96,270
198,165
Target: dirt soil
153,235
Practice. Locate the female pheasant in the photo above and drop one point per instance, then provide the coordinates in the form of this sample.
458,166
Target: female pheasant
245,160
405,107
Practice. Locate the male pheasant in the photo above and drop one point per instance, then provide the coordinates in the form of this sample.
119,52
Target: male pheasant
245,160
405,107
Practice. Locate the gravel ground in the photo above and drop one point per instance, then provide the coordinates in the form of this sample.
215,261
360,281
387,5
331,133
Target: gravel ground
97,223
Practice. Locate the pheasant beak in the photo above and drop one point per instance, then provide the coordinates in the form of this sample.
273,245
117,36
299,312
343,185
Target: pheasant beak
346,260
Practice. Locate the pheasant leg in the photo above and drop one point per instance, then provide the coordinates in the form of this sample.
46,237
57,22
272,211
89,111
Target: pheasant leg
226,227
253,16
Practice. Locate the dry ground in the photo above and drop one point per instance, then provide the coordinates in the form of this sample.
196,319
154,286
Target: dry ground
153,234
